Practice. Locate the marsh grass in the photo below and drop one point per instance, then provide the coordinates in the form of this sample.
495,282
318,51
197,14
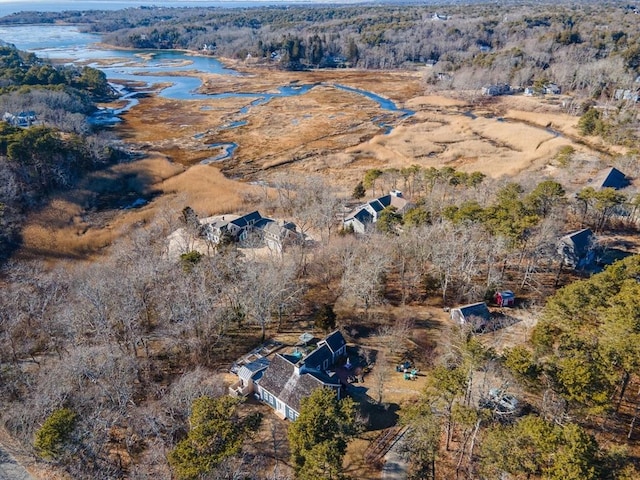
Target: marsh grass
325,132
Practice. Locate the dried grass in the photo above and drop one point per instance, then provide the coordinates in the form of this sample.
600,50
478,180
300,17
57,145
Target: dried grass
208,191
326,131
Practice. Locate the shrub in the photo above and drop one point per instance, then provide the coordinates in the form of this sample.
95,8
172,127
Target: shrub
55,432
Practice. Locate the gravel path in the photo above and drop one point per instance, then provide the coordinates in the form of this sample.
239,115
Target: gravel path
395,466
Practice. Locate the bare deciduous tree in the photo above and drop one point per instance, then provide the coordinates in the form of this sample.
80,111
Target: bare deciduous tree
365,270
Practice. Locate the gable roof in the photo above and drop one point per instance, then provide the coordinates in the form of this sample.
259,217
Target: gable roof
365,213
381,203
335,341
506,294
327,348
579,241
247,219
290,386
479,310
250,370
277,230
263,222
390,200
316,358
611,178
361,214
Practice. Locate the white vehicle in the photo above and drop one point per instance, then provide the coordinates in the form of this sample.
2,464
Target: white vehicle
500,402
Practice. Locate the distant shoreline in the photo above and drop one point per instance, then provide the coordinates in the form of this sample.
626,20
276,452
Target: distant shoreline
10,7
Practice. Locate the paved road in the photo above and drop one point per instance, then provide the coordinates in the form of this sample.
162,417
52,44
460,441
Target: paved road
395,467
10,469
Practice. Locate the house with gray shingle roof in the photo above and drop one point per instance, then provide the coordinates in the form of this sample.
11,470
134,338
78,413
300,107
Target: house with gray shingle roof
364,215
289,379
276,235
577,248
286,382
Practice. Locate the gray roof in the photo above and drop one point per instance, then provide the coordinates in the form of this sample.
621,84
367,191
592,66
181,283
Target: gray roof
276,229
282,381
249,370
475,310
580,241
327,379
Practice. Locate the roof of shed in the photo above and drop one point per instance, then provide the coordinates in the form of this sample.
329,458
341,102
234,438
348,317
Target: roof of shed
580,240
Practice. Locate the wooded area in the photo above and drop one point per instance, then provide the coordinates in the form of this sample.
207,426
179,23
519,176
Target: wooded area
590,49
111,365
60,146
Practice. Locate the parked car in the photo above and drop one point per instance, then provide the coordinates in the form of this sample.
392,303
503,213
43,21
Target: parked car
500,402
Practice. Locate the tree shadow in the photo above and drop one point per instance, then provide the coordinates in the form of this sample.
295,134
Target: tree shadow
360,330
382,416
612,255
498,321
94,199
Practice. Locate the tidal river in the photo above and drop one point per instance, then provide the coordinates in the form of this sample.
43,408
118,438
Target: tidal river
170,67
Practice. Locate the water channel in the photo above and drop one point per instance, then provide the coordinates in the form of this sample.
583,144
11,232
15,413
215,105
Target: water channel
170,67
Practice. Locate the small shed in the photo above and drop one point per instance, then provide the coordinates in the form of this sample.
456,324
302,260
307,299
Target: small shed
505,298
475,314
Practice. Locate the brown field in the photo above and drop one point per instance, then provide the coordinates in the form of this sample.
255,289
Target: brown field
326,131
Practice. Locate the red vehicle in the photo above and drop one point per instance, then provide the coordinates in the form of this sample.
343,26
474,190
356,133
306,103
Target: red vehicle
505,298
